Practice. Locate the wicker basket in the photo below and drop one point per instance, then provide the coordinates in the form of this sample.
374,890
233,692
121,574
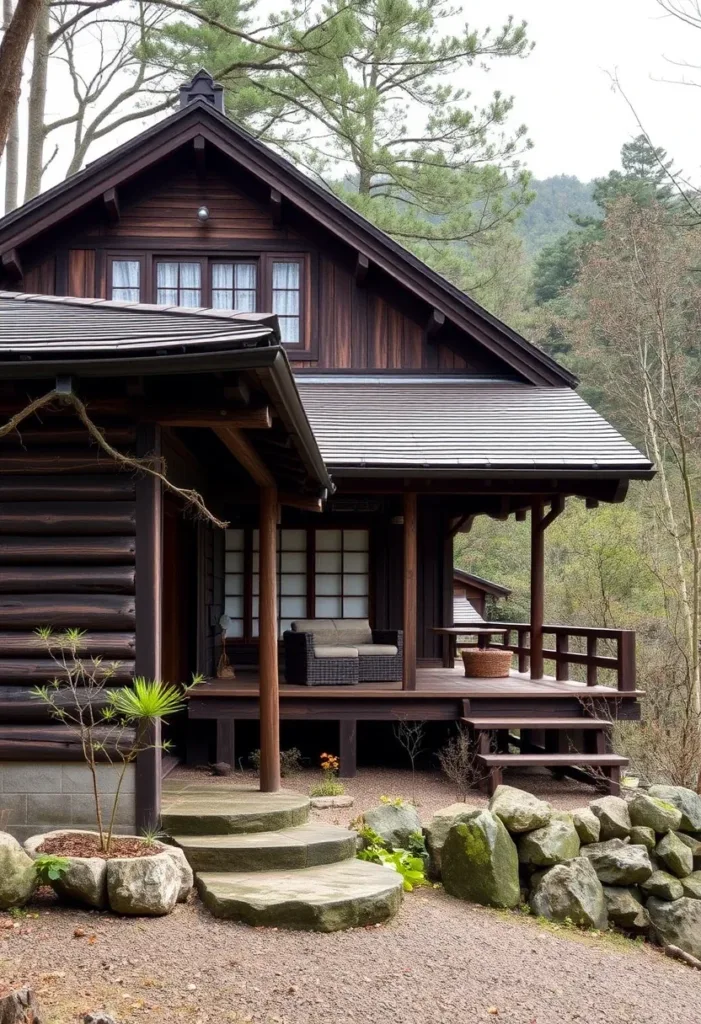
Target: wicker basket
489,664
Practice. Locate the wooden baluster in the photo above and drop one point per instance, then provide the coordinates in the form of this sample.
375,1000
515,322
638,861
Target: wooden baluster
562,665
592,670
626,660
522,657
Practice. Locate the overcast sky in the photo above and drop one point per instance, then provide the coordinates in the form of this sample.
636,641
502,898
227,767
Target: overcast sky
563,90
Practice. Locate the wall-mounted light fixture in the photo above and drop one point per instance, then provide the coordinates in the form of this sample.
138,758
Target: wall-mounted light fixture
203,215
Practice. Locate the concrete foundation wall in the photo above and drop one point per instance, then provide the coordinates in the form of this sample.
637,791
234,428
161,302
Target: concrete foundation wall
41,796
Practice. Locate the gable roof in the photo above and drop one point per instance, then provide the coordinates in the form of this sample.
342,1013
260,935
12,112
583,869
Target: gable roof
480,583
200,118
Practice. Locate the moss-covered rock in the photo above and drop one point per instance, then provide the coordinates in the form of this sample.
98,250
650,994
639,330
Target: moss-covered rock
438,829
692,885
641,835
619,863
678,923
587,824
625,908
480,862
662,885
555,843
688,802
519,811
675,855
571,892
614,819
694,845
394,822
17,873
654,813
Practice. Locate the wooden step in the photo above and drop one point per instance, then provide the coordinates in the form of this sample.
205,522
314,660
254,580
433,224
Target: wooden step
610,765
537,723
552,760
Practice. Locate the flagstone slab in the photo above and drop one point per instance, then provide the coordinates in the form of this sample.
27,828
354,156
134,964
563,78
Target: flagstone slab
229,810
350,894
301,847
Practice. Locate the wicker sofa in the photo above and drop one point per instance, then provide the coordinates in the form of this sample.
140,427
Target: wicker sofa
338,652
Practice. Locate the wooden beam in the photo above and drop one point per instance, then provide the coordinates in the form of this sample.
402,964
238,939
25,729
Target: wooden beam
537,588
276,207
435,321
110,201
410,589
245,454
11,264
240,393
306,503
557,508
269,709
240,419
464,524
200,148
521,515
591,502
148,602
362,266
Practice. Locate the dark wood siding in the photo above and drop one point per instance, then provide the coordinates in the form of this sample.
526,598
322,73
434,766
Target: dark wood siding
67,546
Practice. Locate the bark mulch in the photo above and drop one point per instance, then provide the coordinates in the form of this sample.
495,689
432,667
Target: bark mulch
83,844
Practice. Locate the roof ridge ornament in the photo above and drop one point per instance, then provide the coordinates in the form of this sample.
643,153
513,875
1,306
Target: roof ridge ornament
202,87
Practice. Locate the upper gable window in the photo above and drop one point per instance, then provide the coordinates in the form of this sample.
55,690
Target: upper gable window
286,287
126,280
178,284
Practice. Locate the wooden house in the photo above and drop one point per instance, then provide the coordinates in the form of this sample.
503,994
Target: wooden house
471,595
343,407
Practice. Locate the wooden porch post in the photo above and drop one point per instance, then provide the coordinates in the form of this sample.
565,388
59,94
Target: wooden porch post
537,588
148,615
410,602
269,685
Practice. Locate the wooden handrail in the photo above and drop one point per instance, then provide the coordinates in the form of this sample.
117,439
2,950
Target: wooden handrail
622,662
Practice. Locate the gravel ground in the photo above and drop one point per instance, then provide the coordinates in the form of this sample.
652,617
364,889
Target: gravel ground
429,790
440,962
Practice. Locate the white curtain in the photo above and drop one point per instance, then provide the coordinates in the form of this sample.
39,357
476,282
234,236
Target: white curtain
245,300
125,280
167,284
286,299
185,275
190,284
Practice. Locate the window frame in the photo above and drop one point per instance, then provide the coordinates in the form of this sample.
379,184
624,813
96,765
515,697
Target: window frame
305,349
248,638
205,289
233,261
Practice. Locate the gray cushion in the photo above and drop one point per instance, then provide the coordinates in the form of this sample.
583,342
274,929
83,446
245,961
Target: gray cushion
380,650
353,631
323,630
335,652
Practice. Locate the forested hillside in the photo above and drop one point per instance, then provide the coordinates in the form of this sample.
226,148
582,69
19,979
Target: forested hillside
550,214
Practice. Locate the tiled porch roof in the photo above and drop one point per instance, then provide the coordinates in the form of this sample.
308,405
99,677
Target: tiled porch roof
461,425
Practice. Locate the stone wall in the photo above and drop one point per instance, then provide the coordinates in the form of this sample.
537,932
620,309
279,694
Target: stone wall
41,796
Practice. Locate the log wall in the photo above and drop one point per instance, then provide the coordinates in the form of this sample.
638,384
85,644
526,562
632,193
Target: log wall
67,552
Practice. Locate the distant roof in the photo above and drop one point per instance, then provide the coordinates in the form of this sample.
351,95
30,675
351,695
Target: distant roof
465,426
32,326
496,589
465,613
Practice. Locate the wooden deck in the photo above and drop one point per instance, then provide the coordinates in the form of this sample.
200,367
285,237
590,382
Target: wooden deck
441,694
430,682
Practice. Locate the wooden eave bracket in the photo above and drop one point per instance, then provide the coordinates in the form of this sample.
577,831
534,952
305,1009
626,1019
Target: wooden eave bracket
239,419
110,200
12,265
245,454
556,509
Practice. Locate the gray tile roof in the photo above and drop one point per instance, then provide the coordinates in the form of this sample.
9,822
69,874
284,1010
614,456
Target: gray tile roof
461,425
34,325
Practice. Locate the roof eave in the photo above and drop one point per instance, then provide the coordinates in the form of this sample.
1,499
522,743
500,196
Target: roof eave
515,472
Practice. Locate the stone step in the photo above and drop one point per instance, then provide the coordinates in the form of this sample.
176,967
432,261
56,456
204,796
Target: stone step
189,809
350,894
302,847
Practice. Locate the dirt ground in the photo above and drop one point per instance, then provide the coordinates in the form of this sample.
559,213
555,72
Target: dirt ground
440,962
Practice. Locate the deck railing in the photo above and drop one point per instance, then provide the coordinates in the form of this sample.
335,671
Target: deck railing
621,662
